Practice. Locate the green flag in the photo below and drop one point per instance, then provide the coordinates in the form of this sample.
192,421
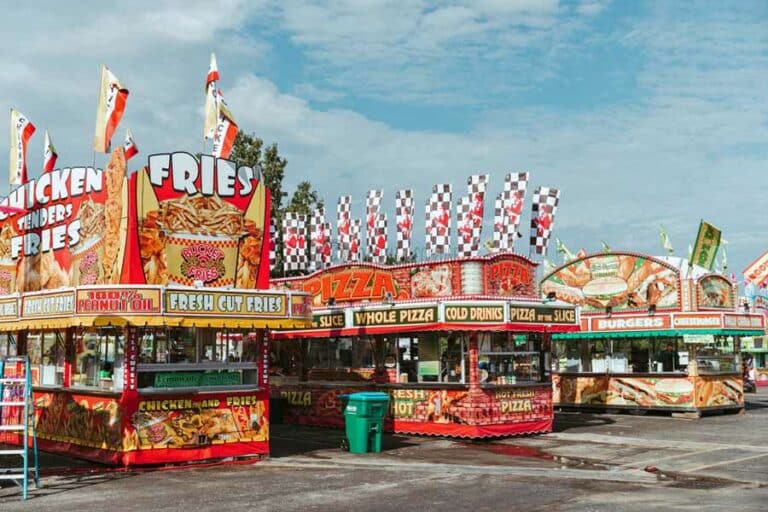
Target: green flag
665,243
705,248
562,249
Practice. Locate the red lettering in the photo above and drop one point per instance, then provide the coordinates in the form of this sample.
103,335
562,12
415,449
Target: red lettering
362,278
341,292
382,283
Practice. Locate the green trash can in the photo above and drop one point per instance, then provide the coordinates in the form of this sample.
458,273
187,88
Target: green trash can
364,420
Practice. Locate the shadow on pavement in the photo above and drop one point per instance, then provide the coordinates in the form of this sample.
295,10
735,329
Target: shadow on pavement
289,440
569,420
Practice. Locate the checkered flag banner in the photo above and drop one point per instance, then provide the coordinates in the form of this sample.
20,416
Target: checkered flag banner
343,227
545,200
320,248
509,208
428,229
469,215
440,219
272,244
379,252
465,228
404,220
294,242
355,254
372,204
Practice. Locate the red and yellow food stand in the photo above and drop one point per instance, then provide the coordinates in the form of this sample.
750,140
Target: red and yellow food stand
461,346
138,303
655,334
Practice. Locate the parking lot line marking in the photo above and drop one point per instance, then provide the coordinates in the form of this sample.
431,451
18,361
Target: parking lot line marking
676,456
732,461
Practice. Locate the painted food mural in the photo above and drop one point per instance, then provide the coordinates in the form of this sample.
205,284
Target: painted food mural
715,292
618,281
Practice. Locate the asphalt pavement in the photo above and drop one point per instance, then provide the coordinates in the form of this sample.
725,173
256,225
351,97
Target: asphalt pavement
591,462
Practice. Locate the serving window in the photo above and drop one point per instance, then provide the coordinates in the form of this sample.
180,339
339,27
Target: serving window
717,354
176,357
510,358
46,351
99,358
622,355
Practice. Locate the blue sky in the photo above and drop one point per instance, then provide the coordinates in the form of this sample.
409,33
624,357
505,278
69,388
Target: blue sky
642,113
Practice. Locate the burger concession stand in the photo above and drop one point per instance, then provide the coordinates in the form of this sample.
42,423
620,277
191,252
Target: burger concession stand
141,304
461,346
655,335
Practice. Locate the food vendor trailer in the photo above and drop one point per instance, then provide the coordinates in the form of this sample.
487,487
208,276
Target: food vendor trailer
149,375
655,335
140,304
461,347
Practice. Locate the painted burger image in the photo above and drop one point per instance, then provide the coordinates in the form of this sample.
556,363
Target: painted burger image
675,391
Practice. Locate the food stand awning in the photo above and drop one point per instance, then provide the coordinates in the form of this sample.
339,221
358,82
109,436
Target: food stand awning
652,334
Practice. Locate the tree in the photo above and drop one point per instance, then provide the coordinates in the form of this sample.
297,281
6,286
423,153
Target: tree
304,199
249,150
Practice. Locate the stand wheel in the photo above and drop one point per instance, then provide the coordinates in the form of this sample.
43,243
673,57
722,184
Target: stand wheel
344,446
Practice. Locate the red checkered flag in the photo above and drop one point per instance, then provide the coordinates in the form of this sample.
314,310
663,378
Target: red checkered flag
372,204
343,227
355,254
272,244
404,220
508,210
440,218
294,242
320,248
469,215
545,201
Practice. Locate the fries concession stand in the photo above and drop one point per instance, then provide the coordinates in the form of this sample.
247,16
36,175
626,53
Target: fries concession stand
655,335
138,302
461,346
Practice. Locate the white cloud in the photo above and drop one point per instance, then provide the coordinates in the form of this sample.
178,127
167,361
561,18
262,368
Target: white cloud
690,145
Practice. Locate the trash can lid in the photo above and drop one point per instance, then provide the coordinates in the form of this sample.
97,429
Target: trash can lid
369,396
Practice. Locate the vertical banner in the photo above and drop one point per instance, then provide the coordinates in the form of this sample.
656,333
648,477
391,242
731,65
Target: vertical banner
113,97
379,252
706,246
226,130
355,254
372,204
404,221
428,246
343,227
464,227
294,242
469,219
21,130
49,154
321,240
211,100
509,208
545,201
440,218
272,244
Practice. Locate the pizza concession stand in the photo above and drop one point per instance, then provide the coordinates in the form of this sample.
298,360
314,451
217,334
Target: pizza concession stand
655,334
461,346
